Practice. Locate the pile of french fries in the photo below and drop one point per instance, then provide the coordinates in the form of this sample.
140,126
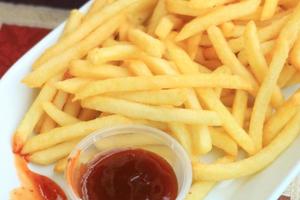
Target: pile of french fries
209,73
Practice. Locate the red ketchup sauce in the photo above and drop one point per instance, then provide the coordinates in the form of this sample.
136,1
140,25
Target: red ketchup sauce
132,174
35,186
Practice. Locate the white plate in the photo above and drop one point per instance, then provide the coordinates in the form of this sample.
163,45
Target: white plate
15,99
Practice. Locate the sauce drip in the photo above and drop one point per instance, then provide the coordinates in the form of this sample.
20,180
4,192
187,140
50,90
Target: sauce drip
35,186
133,174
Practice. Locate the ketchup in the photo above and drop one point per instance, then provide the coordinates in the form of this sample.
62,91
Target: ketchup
35,186
133,174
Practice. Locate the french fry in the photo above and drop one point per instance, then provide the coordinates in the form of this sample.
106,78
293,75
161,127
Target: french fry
269,9
155,113
227,56
205,41
286,74
223,69
58,116
70,132
164,27
162,81
240,106
60,166
72,107
60,62
183,8
181,133
33,115
202,4
158,65
158,13
72,85
146,42
280,118
212,101
257,61
140,11
88,114
253,164
221,140
227,28
139,68
200,189
175,97
229,123
95,7
294,56
87,27
100,72
216,17
112,53
264,34
52,154
287,37
74,21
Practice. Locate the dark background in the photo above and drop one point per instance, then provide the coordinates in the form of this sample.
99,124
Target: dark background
52,3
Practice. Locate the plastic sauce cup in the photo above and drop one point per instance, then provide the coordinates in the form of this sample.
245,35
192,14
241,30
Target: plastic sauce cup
129,137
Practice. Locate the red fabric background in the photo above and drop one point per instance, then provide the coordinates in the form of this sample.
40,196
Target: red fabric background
15,41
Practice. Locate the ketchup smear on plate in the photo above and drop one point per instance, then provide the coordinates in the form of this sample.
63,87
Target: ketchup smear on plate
133,174
35,186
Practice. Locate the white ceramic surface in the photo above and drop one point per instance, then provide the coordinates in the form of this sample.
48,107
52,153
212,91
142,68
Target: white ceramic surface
15,99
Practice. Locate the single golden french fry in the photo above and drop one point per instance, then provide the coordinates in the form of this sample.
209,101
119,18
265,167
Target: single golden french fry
286,74
33,115
60,165
280,118
146,42
95,7
253,164
158,13
216,17
72,107
140,11
264,34
58,115
221,140
74,21
72,85
112,53
139,68
175,97
87,27
88,114
162,81
240,106
155,113
257,61
183,8
164,27
269,9
60,62
99,72
287,37
228,57
158,65
294,56
70,132
52,154
181,133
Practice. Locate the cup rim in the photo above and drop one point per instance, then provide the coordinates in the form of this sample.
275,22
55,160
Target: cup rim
117,130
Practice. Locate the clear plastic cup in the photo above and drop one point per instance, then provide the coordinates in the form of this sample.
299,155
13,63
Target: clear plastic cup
129,137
